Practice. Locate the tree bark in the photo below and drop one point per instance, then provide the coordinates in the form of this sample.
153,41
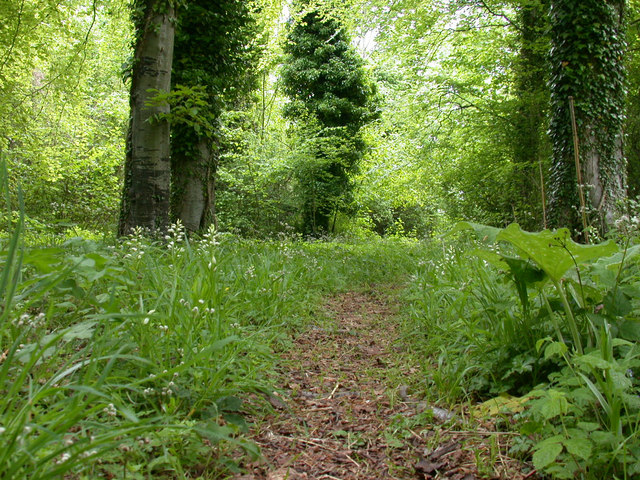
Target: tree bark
587,64
145,199
193,186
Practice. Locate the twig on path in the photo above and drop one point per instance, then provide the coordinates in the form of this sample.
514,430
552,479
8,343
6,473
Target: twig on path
330,449
333,391
480,433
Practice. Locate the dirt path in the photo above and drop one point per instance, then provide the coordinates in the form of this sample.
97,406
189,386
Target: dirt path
346,414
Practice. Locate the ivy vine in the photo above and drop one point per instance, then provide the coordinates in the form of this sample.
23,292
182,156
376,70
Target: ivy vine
586,64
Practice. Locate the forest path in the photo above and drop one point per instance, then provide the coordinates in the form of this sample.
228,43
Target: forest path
345,413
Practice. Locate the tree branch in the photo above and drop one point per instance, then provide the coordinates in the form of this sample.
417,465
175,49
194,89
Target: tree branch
484,5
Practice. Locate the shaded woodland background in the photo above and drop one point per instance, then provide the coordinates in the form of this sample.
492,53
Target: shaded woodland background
466,101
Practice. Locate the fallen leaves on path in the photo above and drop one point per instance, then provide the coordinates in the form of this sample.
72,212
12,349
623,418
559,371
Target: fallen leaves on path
345,412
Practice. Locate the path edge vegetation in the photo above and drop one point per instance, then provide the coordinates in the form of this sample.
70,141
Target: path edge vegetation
120,334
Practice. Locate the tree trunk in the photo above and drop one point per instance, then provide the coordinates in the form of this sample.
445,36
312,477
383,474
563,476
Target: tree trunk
193,189
529,141
587,56
190,174
145,199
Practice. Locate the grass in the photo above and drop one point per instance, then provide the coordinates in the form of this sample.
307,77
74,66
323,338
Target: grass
567,348
133,360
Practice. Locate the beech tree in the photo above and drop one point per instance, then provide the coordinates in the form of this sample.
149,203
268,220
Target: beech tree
215,65
587,65
145,199
329,91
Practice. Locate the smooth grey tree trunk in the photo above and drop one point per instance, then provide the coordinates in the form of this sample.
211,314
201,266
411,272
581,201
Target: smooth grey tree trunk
192,191
145,199
604,191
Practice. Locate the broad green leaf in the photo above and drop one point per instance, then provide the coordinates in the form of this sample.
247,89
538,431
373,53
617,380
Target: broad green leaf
605,439
580,447
554,252
555,349
594,360
606,269
81,331
524,271
617,303
214,432
486,233
541,342
630,330
44,259
229,404
547,452
554,404
588,426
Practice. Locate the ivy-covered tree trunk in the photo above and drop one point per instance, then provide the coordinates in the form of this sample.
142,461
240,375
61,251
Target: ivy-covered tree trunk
530,143
193,186
587,64
145,199
215,65
632,120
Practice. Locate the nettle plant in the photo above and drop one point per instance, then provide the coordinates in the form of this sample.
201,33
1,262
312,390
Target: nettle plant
585,420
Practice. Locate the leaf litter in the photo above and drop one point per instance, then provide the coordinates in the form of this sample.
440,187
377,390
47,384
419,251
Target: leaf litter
343,410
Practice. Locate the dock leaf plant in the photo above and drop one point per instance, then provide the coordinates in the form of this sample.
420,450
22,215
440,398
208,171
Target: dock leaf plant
553,321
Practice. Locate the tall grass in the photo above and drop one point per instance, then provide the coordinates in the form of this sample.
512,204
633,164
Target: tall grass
136,359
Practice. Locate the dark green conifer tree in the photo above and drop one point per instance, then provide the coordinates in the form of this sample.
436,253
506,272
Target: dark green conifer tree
331,99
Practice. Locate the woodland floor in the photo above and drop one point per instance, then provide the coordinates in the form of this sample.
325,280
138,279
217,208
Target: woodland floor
346,410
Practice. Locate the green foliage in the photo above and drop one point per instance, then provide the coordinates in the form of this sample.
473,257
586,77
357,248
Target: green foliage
138,359
582,409
186,104
216,55
632,108
530,143
587,53
331,96
63,108
448,76
478,339
215,52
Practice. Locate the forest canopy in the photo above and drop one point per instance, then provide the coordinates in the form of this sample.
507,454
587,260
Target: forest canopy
470,120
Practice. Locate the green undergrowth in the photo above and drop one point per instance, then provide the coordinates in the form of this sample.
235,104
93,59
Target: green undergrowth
133,360
137,359
544,327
